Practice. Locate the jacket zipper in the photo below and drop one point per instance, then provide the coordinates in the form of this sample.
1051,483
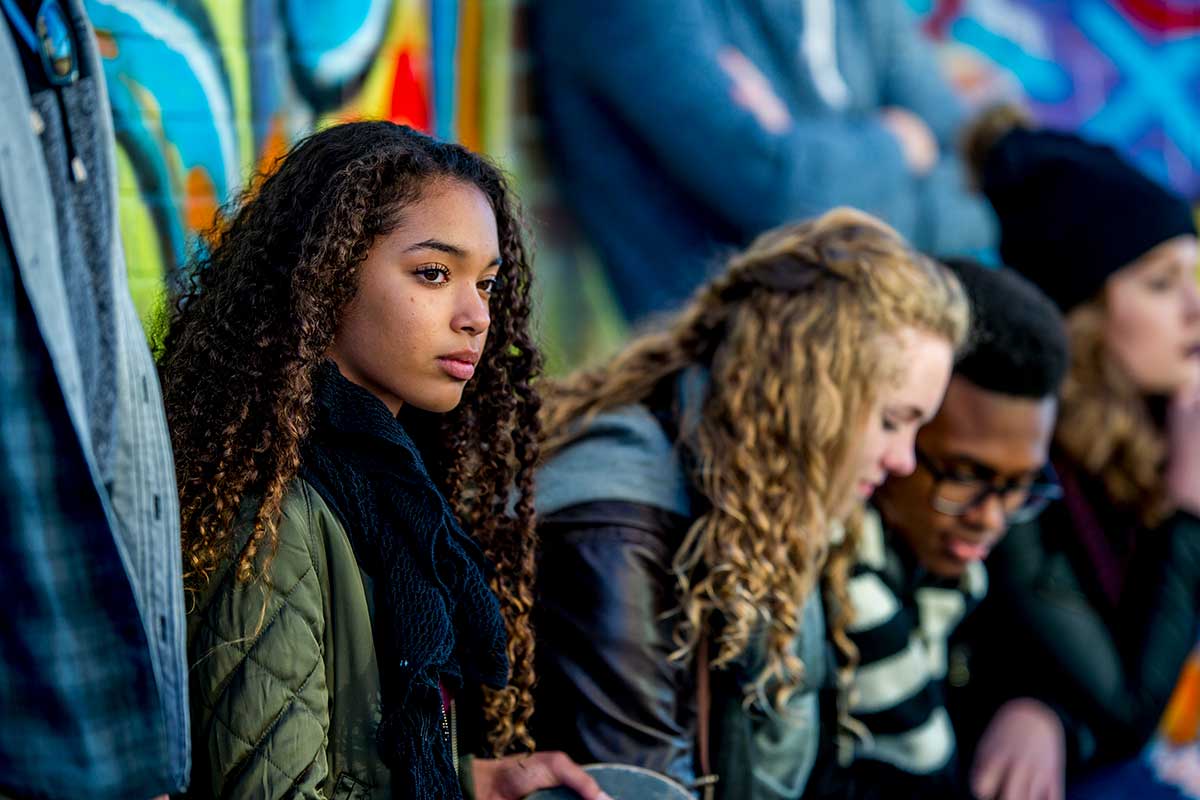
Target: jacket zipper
454,736
450,732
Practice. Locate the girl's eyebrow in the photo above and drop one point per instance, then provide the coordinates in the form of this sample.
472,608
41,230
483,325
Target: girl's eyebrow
439,245
448,249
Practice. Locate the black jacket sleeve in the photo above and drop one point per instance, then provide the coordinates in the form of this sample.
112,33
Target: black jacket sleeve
1044,632
608,690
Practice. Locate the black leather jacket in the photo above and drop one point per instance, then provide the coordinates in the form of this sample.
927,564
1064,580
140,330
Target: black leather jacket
608,689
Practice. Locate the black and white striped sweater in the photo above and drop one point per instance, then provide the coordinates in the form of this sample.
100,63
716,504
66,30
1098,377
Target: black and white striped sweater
903,619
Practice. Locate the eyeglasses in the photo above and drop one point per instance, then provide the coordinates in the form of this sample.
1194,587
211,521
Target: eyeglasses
1021,500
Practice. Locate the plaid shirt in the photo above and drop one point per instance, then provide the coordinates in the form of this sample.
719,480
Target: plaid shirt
93,685
76,671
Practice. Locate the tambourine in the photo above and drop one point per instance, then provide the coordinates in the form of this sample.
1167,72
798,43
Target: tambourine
623,782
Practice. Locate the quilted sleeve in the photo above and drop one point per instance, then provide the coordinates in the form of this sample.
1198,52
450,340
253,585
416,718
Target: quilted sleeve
259,696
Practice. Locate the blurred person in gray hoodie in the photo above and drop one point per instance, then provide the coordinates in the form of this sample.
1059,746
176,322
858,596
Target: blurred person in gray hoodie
680,134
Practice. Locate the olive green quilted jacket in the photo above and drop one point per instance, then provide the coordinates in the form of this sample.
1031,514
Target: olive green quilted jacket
285,696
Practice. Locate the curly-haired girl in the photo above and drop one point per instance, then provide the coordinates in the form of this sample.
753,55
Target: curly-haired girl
1094,605
347,377
690,493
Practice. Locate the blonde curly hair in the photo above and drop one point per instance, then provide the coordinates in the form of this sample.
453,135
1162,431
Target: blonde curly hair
798,337
1104,424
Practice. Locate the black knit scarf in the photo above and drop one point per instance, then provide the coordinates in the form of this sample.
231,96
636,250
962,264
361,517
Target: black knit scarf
436,618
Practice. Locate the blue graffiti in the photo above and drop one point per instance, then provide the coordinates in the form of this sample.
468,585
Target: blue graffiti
1143,99
1043,80
443,27
332,45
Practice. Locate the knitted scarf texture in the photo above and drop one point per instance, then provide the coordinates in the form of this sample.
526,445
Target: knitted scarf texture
436,620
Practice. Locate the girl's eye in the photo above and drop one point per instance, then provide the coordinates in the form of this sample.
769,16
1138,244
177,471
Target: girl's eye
1161,283
1166,281
490,286
436,275
890,425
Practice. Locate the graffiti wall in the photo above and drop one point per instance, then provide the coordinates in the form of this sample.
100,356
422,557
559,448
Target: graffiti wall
1121,71
205,93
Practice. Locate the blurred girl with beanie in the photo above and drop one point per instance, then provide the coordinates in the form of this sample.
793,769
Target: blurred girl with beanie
1093,606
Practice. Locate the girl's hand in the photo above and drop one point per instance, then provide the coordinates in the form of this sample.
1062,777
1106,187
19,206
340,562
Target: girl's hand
514,777
1183,430
1022,754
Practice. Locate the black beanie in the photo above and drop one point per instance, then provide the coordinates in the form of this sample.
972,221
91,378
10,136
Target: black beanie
1072,212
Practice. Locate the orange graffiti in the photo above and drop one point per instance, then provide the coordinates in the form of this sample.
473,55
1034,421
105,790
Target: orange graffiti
274,144
200,203
1181,723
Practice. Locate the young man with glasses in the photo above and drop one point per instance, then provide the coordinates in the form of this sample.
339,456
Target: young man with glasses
981,466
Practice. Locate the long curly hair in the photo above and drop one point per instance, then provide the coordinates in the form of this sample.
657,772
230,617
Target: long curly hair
797,335
253,320
1105,425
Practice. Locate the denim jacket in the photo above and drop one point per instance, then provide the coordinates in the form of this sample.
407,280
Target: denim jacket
93,680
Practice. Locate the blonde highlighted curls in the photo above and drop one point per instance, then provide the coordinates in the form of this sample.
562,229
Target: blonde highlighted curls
253,321
1104,424
797,337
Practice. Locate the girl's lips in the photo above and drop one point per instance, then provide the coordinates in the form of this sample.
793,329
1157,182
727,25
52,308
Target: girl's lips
457,369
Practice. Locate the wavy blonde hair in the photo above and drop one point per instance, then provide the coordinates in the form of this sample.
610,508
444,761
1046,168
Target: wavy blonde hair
1104,424
797,335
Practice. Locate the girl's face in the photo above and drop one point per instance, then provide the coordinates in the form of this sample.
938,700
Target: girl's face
415,330
1153,317
901,408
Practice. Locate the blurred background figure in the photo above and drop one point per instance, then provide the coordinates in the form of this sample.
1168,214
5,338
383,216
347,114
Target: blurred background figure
681,135
93,687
